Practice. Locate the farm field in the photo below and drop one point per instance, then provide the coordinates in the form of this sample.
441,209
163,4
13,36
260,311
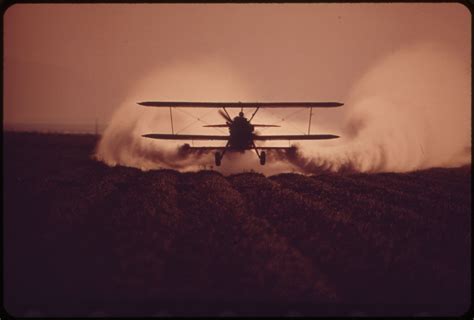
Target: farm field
82,238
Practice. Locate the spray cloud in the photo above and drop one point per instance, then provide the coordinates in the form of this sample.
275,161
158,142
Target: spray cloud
411,110
202,80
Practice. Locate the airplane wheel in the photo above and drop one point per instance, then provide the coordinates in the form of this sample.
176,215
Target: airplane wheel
263,157
218,158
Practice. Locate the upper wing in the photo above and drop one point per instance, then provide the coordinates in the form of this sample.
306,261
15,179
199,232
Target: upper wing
188,147
183,104
297,137
254,125
184,137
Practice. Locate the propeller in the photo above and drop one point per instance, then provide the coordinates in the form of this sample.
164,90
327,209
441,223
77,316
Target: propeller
225,116
217,125
266,125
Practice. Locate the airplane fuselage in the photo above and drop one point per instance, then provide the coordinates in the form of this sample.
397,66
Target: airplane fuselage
241,134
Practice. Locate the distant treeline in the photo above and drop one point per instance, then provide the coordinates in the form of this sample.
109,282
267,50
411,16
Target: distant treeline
72,128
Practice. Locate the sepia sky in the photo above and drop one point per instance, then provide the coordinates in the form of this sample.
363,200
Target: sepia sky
74,63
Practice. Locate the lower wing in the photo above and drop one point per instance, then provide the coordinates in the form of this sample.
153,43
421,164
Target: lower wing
188,147
183,137
230,149
297,137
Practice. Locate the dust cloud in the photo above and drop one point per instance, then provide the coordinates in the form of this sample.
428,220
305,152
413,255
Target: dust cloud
201,80
411,110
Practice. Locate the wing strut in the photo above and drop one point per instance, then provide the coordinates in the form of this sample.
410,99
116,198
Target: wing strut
255,112
171,116
310,114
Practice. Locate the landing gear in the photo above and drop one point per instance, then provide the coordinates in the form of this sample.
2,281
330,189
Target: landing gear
263,157
218,158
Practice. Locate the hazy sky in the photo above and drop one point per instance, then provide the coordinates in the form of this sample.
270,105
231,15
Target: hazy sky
73,63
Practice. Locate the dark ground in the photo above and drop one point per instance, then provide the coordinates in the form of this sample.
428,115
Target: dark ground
81,238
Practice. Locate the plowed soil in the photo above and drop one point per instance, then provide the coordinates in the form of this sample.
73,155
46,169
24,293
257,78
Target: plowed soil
81,238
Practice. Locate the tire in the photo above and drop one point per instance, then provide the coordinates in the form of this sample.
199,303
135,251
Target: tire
263,158
218,158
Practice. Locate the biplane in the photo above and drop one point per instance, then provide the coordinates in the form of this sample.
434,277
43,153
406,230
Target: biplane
241,130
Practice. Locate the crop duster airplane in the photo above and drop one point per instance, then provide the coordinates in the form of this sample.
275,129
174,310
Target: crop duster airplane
241,131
